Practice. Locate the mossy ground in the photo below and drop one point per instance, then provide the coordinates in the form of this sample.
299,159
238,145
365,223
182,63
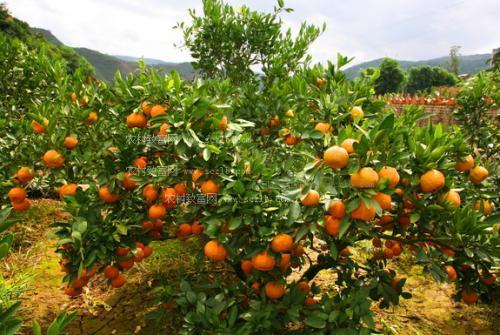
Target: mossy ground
102,310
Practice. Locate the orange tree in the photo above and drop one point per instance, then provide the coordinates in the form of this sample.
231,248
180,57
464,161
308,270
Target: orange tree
279,175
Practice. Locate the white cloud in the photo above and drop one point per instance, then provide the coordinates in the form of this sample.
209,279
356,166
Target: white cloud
410,29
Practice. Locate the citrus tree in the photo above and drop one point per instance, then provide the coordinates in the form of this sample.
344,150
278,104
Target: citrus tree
278,176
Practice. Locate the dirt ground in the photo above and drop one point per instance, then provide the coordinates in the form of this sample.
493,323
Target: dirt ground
102,310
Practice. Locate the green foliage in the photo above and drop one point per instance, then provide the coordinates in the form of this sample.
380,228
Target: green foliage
229,42
479,95
423,78
391,77
454,62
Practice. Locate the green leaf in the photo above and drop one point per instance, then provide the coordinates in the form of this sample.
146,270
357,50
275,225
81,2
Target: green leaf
37,330
315,322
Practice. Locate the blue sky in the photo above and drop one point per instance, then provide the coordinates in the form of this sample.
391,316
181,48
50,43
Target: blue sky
364,29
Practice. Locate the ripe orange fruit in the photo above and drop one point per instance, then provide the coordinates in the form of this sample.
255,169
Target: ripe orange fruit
122,252
164,129
298,250
197,228
397,249
84,101
128,182
311,199
478,174
452,273
486,205
150,193
70,142
111,272
119,281
126,263
469,297
209,187
320,82
223,124
140,162
185,229
466,164
169,197
282,243
106,195
274,122
157,211
196,174
303,286
146,107
357,113
263,261
246,266
332,226
136,120
255,287
73,97
488,279
348,145
21,206
364,178
17,194
147,251
337,209
72,292
384,200
363,213
91,118
389,173
431,181
157,110
309,301
215,251
451,196
336,157
388,253
324,127
67,189
53,159
284,262
24,175
292,139
37,127
274,290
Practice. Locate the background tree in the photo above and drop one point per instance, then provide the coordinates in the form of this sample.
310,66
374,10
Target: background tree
423,78
454,62
391,77
232,43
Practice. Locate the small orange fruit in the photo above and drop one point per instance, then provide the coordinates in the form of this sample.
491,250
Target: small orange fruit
157,211
357,113
363,213
478,174
348,145
91,118
274,122
150,193
246,266
337,209
24,175
106,195
169,197
136,120
196,174
223,124
390,174
17,194
215,251
469,297
157,110
303,286
180,188
364,178
128,182
209,187
67,189
21,206
164,129
336,157
384,200
431,181
324,127
111,272
141,162
451,196
282,243
70,142
274,290
465,165
197,228
37,127
486,205
119,281
311,199
452,273
146,107
53,159
263,261
332,226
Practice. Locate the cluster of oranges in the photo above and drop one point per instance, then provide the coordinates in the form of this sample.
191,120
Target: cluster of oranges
18,195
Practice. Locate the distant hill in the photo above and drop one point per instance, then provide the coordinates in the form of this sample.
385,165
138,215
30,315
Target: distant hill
107,65
470,64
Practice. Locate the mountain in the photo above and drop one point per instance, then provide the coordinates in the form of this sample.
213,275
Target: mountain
470,64
106,65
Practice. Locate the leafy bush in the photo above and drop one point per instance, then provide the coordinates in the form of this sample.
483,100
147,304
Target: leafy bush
423,78
391,77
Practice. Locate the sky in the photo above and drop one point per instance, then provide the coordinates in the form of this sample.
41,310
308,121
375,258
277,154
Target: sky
364,29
